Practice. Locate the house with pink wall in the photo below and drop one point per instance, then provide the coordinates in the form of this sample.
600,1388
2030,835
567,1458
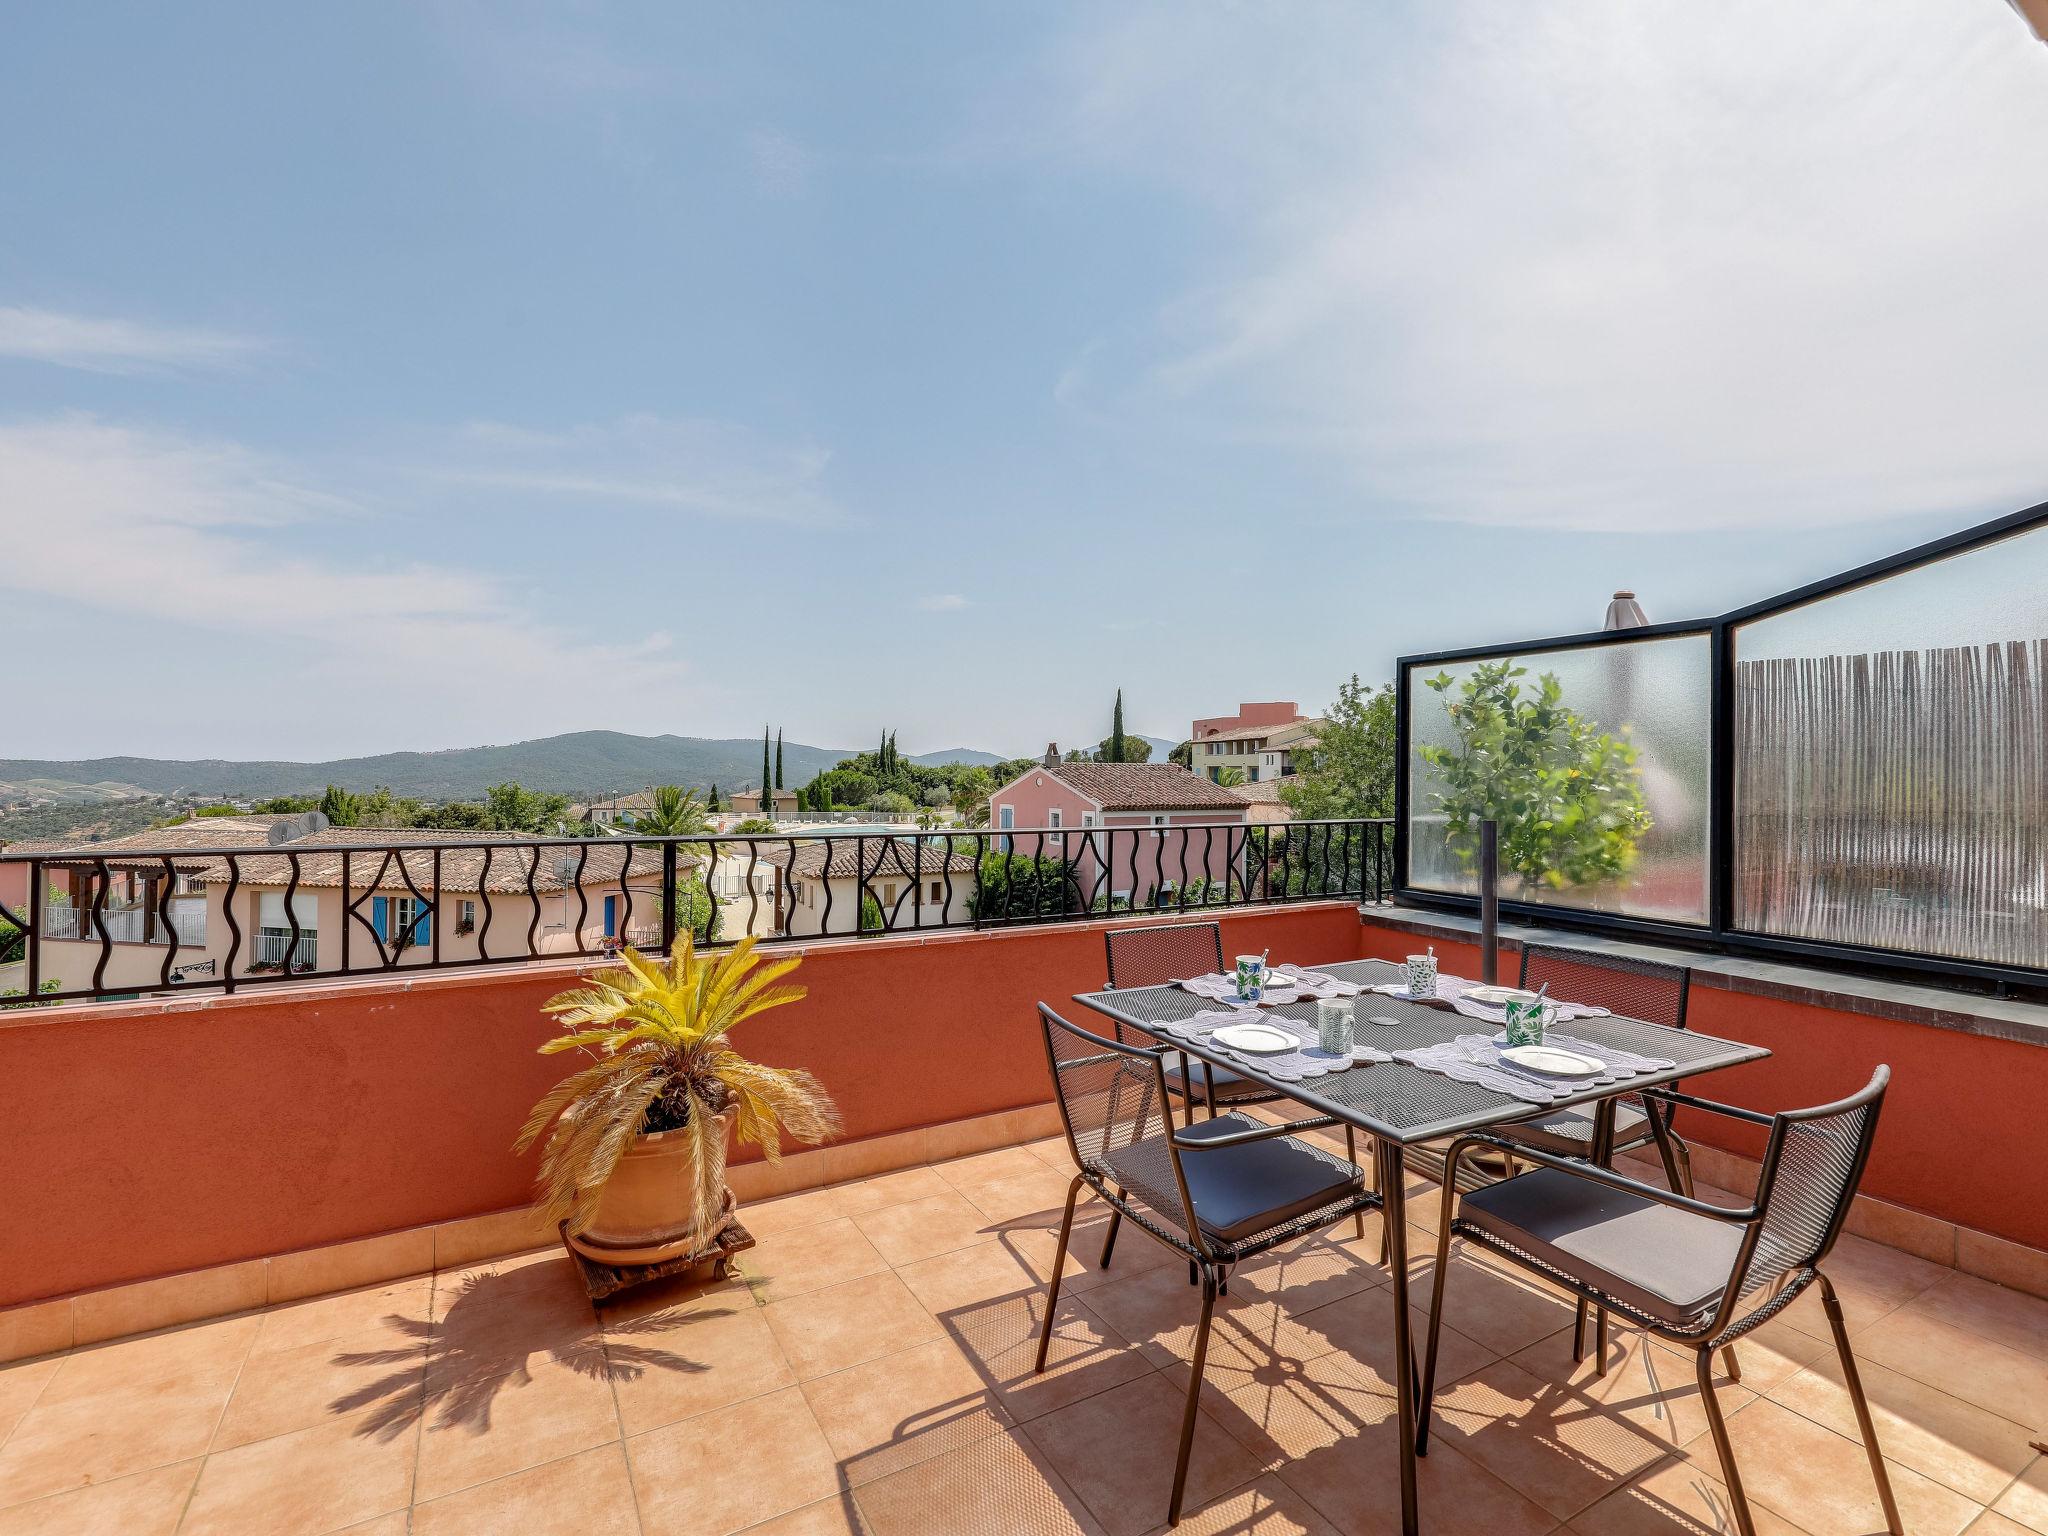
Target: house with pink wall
1127,830
1277,712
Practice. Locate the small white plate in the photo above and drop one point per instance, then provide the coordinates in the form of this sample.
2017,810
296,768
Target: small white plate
1493,997
1256,1039
1552,1062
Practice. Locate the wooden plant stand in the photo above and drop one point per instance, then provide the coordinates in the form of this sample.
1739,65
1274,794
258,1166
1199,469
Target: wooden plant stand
603,1281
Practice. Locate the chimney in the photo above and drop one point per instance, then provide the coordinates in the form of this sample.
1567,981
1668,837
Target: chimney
1625,613
1052,754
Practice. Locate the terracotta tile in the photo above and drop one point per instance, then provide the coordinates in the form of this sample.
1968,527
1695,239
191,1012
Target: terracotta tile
164,1303
1675,1498
490,1319
808,1259
95,1421
1896,1226
1961,1363
393,1524
1956,1443
1054,1152
1117,1451
1489,1300
2027,1499
1553,1444
1085,1355
902,1409
590,1494
1772,1352
1355,1484
1283,1415
314,1480
369,1261
1159,1311
917,1229
500,1234
20,1386
1820,1481
287,1389
770,1456
985,1272
1267,1507
844,1325
402,1309
850,1162
827,1517
671,1367
1034,1199
480,1426
893,1188
998,1486
993,1167
2006,1263
1360,1328
40,1328
1991,1523
1871,1281
785,1213
200,1350
1303,1276
2004,1316
1651,1385
141,1504
1134,1253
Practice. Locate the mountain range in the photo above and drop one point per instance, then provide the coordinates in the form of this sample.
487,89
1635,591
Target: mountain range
580,763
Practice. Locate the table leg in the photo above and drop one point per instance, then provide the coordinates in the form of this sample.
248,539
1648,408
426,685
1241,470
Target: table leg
1394,1216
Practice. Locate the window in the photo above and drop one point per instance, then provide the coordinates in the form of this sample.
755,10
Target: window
1087,818
465,916
889,893
1006,818
938,896
1055,817
403,910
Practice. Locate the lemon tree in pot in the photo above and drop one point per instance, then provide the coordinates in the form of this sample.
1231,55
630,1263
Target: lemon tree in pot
633,1158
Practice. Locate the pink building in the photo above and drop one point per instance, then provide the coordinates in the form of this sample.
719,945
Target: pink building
1284,712
1128,831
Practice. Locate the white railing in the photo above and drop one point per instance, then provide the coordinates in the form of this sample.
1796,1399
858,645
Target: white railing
273,943
129,925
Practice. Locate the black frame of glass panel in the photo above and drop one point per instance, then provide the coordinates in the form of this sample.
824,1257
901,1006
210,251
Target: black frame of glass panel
1719,932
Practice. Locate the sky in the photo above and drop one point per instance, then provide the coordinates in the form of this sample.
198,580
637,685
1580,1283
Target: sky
407,376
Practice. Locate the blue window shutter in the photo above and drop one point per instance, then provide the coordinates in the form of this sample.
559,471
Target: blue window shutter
423,935
378,916
611,917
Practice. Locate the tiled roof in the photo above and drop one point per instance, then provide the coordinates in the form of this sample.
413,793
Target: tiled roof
1265,792
1143,787
200,832
875,857
1292,728
466,864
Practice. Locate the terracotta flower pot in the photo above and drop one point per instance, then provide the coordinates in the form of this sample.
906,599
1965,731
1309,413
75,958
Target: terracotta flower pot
643,1216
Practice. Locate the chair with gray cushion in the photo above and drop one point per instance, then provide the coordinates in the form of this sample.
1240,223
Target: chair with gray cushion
1693,1274
1218,1193
1154,954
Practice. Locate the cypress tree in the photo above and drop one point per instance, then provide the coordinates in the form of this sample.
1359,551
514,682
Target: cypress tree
778,759
767,797
1116,730
714,798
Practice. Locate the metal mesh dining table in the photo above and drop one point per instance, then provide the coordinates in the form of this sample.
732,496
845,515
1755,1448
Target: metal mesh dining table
1401,1105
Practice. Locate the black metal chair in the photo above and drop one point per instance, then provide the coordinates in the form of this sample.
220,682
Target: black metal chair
1219,1192
1158,953
1690,1273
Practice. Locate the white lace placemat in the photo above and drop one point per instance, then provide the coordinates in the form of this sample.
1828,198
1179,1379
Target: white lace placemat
1452,990
1311,1060
1317,983
1477,1059
1223,989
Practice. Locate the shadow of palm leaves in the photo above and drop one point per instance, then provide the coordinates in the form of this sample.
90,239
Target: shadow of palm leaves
452,1370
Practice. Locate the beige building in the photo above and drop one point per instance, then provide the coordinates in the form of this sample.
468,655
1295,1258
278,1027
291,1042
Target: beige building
1262,752
916,882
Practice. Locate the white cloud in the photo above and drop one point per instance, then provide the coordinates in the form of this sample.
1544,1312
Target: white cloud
942,602
104,345
183,535
706,468
1595,265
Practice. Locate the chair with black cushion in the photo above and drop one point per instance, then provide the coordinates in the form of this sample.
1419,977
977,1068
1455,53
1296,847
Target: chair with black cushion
1158,953
1690,1273
1218,1193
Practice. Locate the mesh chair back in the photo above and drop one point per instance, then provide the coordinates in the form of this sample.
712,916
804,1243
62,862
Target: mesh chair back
1158,953
1113,1096
1636,989
1811,1169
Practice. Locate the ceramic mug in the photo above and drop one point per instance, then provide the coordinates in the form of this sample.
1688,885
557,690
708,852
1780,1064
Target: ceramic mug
1422,975
1251,978
1333,1025
1527,1019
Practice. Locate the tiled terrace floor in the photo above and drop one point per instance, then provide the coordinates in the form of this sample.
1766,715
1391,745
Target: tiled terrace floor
872,1373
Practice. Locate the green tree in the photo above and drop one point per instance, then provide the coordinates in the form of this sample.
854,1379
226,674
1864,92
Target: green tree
1115,746
1349,772
675,812
970,795
287,805
1567,795
696,910
870,914
13,943
1182,756
1230,778
1136,749
767,794
341,808
217,810
712,803
456,816
891,802
1018,885
753,824
778,759
513,808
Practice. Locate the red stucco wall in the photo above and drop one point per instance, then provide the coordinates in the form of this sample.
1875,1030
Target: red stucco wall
1962,1135
141,1139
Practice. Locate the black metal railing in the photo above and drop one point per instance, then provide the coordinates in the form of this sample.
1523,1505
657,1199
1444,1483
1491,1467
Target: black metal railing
356,908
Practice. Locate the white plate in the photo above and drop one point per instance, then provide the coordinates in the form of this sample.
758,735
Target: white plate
1493,997
1256,1039
1552,1062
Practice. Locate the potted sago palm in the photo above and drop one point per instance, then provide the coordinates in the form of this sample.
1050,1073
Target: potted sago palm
635,1143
